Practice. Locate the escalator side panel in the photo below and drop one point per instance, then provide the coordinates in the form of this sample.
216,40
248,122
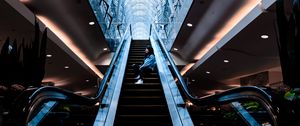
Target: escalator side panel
179,114
107,111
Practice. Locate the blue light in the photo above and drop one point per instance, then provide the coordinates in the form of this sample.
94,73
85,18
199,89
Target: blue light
140,19
114,17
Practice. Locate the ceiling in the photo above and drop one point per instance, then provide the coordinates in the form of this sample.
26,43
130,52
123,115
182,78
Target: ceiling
76,78
247,52
207,17
73,17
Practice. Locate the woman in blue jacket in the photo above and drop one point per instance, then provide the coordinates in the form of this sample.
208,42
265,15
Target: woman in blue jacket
148,65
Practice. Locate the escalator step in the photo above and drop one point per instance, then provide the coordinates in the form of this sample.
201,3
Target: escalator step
142,109
146,80
142,86
153,120
142,57
142,100
131,74
141,104
135,62
141,92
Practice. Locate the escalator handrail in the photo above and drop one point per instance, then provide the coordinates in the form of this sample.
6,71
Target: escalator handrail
71,96
252,92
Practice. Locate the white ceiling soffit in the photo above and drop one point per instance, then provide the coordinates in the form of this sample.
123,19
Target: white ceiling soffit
232,28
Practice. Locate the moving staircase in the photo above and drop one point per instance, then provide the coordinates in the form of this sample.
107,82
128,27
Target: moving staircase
138,104
141,104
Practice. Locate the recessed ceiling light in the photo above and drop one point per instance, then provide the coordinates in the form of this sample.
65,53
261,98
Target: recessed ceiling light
226,61
49,55
87,80
207,72
189,24
105,49
175,49
66,67
264,36
193,80
91,23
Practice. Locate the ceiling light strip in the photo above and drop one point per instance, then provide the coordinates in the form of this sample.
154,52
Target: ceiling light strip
69,43
186,68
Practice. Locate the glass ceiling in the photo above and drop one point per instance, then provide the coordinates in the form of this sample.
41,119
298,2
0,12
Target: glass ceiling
114,16
141,14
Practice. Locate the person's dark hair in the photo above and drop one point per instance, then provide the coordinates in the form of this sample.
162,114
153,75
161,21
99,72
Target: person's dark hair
150,49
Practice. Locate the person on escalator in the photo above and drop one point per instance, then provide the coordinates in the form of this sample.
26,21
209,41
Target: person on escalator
149,65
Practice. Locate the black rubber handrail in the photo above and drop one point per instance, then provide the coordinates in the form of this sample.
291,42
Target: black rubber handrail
48,93
236,94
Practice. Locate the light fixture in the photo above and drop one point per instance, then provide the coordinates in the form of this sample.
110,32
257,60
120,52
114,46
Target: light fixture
49,55
186,68
175,49
189,24
207,72
193,80
226,61
91,23
66,67
104,49
87,80
189,103
264,36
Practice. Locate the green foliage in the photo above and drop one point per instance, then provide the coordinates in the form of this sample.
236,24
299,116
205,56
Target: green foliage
292,95
251,106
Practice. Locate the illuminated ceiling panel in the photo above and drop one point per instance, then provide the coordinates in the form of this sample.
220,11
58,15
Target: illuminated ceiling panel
139,17
114,16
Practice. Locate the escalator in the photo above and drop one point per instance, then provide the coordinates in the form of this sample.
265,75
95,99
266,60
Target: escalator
160,100
145,103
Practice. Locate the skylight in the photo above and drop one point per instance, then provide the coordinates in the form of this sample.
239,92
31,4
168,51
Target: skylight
114,16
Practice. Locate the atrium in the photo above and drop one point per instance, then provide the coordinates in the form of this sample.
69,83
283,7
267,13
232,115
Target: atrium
149,62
